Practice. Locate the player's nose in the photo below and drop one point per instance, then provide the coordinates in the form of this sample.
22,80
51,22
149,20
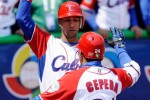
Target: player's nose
72,23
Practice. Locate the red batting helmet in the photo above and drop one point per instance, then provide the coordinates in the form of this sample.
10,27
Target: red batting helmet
92,45
70,8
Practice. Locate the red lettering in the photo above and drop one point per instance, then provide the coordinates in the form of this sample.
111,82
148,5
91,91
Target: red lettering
102,84
96,84
116,88
4,10
106,83
111,85
89,86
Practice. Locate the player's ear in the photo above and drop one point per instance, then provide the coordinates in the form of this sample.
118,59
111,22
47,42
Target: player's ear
81,57
59,22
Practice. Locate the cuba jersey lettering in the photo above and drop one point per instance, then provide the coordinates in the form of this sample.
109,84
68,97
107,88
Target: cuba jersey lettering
64,66
55,57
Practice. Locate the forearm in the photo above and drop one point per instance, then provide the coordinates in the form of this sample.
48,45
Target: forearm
123,56
132,68
24,20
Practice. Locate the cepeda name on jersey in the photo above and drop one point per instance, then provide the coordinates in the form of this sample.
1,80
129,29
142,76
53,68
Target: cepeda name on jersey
65,66
102,84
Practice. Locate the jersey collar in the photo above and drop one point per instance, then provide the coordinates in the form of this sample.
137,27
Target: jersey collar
71,43
93,64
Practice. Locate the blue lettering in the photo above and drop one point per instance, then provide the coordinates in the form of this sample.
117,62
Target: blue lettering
118,2
74,65
54,61
65,66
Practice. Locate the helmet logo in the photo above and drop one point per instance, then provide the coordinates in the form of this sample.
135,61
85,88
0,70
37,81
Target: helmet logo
97,50
97,53
71,7
91,54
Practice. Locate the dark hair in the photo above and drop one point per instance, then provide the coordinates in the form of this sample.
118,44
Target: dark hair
88,59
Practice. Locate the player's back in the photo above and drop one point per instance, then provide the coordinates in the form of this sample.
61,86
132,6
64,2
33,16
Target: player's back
98,83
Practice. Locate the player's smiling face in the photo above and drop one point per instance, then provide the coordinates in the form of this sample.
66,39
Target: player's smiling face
70,26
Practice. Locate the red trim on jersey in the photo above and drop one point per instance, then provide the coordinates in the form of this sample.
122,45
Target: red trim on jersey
29,0
65,51
136,71
125,79
100,73
39,42
131,3
89,3
68,86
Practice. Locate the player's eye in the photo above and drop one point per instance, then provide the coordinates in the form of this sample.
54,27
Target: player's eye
76,19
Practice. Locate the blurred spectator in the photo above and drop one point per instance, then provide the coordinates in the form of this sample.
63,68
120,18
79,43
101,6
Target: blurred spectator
111,13
145,9
139,14
87,26
8,23
44,14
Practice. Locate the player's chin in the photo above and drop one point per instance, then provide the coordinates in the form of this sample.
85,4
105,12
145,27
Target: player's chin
72,34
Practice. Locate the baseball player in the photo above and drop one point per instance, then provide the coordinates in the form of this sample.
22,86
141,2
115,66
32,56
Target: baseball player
56,55
112,13
145,10
93,81
7,16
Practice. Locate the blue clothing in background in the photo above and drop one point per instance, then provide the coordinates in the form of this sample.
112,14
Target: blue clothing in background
145,9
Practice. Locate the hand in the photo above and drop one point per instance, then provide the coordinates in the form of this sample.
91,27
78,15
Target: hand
118,38
138,31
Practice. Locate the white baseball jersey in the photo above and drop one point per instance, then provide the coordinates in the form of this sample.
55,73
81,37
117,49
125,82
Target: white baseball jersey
91,83
111,13
55,57
7,16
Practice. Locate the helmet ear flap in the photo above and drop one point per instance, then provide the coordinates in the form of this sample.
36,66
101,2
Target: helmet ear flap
81,22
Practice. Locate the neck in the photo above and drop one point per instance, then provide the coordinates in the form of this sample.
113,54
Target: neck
83,60
72,39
